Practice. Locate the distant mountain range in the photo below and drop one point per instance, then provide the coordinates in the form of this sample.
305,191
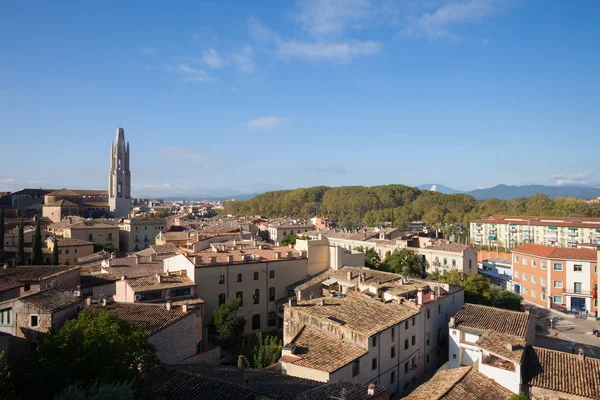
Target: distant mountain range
247,196
506,192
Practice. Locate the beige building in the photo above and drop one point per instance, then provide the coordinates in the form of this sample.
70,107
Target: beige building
279,230
366,326
39,277
84,203
95,231
69,250
139,233
155,288
443,256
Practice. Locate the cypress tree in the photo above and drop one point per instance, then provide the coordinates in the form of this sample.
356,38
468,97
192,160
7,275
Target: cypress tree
55,260
37,258
1,234
20,255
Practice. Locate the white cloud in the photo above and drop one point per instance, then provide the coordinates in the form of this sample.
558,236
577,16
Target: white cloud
189,73
8,180
331,17
191,156
265,122
244,60
340,51
580,178
149,51
436,24
168,186
212,58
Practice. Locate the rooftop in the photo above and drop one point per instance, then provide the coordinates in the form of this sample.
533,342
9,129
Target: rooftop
152,318
36,273
167,281
342,390
486,318
497,343
592,223
560,253
7,284
443,245
61,203
320,350
562,372
52,299
357,312
62,242
244,255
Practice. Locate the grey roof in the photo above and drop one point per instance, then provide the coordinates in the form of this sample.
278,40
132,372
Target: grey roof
36,273
341,390
52,299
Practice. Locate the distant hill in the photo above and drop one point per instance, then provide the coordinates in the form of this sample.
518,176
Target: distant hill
247,196
505,192
436,187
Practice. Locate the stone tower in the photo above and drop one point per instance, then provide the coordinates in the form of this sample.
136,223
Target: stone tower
119,177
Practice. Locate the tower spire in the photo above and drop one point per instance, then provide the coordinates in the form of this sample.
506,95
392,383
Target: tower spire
119,177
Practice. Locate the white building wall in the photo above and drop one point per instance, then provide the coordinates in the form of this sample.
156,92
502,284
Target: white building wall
508,379
583,276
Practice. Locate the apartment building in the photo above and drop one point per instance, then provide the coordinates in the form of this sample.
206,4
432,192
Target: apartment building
69,250
564,279
91,230
514,231
139,233
493,340
279,230
442,256
367,326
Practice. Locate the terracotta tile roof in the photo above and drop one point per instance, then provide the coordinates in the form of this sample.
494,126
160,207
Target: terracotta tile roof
357,312
7,284
485,318
152,318
52,299
439,384
343,390
168,281
36,273
90,192
443,245
250,254
171,384
32,192
272,384
157,249
560,253
72,242
320,350
61,203
135,271
497,344
96,204
175,235
562,372
62,192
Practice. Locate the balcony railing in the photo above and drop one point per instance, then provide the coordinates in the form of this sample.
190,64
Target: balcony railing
578,292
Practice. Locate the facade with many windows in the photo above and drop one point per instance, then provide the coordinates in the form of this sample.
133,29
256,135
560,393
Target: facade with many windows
514,231
558,278
140,233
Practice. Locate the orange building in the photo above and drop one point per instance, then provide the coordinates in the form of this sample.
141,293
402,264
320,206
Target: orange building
554,277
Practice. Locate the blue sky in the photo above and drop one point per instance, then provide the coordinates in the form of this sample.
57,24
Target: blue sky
224,96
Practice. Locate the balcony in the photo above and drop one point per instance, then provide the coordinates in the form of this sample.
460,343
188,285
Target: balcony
497,362
576,292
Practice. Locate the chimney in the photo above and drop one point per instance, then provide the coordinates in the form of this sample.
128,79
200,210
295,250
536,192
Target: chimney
349,275
581,354
452,323
420,296
123,277
371,390
292,302
168,305
277,255
103,302
88,301
508,345
234,242
288,254
241,363
254,243
184,307
260,247
230,259
212,260
243,258
159,278
112,255
322,302
291,246
137,258
289,349
527,311
152,257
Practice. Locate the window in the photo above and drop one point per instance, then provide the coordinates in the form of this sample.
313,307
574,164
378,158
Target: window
355,368
374,341
147,296
577,268
524,276
239,277
34,321
413,362
558,267
145,228
75,251
445,261
516,258
558,284
272,274
406,367
256,276
557,299
516,274
271,294
413,321
221,279
5,316
374,363
533,279
393,352
272,319
454,263
439,308
533,293
255,322
222,298
525,290
393,335
256,296
406,324
427,358
577,287
543,264
393,377
534,263
428,313
240,297
180,292
27,287
413,340
524,261
405,344
109,236
90,237
543,281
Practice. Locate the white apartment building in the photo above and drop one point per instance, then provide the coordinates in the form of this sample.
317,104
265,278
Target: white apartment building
279,230
492,339
513,231
139,233
443,256
366,326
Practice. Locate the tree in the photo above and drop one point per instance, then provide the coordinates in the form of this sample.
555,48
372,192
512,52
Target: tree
95,347
6,380
403,261
228,326
288,239
98,391
20,254
520,396
106,246
1,234
267,350
372,259
37,257
502,298
55,258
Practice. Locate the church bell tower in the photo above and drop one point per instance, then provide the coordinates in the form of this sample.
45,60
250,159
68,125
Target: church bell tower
119,177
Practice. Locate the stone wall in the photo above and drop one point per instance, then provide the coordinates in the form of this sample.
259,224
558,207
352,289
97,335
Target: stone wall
176,342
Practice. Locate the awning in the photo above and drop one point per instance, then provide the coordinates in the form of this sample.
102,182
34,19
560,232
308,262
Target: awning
552,227
598,230
492,237
572,229
329,281
513,225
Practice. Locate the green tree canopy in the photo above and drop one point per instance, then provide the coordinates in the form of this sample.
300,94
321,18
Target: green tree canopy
98,391
37,257
403,261
55,258
288,239
20,254
267,350
228,326
106,246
